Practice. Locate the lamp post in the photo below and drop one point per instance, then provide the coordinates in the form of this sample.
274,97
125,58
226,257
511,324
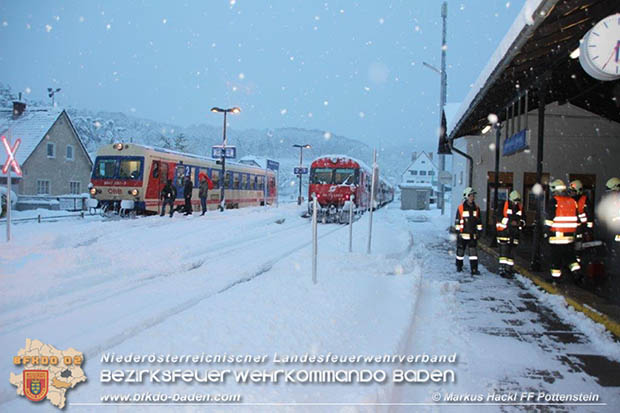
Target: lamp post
301,155
223,160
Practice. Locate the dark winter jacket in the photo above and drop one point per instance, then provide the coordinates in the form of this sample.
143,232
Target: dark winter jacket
168,192
188,187
509,220
467,221
204,189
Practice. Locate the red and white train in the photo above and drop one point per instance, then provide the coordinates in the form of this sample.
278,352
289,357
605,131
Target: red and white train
130,177
338,179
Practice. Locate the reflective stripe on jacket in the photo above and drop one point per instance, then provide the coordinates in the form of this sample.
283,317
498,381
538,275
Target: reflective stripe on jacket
467,221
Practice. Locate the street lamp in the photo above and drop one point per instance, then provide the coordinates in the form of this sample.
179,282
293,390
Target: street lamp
301,152
223,177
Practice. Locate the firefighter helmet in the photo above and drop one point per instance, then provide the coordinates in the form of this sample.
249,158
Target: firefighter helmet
468,191
576,186
514,196
613,184
557,186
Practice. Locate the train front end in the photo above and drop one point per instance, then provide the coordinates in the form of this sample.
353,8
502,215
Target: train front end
118,178
335,180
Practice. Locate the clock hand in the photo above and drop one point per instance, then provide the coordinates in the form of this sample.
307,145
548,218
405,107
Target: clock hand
614,51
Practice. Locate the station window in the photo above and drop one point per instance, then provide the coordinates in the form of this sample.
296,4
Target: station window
236,180
227,180
244,181
261,183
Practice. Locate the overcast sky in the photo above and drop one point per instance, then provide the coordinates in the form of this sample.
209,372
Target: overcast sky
353,68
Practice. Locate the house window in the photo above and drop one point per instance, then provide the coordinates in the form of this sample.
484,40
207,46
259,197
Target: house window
43,187
414,172
423,161
423,173
51,150
431,173
74,187
69,152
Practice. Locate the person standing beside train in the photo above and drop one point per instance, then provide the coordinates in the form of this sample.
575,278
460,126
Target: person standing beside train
203,191
188,187
168,195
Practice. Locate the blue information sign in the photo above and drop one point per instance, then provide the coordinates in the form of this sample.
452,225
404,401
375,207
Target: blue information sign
273,165
515,143
228,152
300,170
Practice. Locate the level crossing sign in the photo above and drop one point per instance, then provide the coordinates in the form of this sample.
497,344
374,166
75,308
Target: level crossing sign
11,162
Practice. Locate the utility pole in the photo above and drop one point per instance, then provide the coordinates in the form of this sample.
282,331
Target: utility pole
442,95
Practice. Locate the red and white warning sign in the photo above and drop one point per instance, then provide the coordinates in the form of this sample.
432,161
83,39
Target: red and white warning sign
11,162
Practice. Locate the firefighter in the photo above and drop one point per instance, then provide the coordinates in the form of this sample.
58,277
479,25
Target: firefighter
509,225
468,226
586,227
561,224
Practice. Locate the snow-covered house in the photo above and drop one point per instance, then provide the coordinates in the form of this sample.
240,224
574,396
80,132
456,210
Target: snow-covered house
421,171
51,155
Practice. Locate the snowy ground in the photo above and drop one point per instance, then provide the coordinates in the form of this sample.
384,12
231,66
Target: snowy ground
240,283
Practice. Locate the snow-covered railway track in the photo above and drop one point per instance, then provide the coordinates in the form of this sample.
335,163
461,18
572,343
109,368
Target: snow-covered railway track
45,306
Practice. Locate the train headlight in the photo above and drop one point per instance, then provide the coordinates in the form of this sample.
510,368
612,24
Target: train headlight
118,146
93,191
134,192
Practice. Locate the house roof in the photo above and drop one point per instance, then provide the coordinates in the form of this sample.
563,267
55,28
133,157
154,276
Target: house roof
418,157
31,128
537,47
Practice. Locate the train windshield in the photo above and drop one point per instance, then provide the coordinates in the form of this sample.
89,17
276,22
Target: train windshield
321,176
117,167
105,168
344,176
130,169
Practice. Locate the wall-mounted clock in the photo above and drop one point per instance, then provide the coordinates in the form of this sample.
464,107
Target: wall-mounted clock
599,52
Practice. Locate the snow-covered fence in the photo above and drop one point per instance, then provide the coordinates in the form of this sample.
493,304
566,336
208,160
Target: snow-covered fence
40,218
61,202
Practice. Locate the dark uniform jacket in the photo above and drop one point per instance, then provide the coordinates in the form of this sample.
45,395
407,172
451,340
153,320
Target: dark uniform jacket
467,222
509,220
187,188
169,192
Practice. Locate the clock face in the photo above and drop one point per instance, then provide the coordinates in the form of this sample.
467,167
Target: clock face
600,49
604,45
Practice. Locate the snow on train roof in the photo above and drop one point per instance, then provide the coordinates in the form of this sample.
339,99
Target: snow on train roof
191,155
334,158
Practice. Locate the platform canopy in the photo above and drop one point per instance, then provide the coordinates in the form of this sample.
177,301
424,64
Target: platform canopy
536,48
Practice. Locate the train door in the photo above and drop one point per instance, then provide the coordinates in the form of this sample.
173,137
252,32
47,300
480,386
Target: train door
180,172
153,186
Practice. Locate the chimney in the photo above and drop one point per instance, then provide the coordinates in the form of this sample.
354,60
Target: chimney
430,155
18,107
414,155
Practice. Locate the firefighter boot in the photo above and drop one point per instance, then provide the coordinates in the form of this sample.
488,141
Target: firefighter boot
459,265
474,267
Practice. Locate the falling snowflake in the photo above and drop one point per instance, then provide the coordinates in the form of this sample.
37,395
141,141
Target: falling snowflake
417,28
233,2
492,118
291,58
381,20
27,90
97,124
325,103
57,18
462,7
81,19
5,23
132,110
444,47
28,26
164,21
399,270
48,28
309,114
108,26
234,88
317,18
293,183
492,146
507,4
366,88
362,114
283,111
327,136
341,11
537,189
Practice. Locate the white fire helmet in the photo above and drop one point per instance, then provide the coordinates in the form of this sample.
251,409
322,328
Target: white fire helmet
468,191
557,186
515,196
